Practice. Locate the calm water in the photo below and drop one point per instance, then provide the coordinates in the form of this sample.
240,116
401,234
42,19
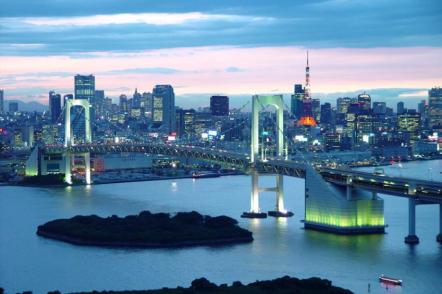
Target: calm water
281,247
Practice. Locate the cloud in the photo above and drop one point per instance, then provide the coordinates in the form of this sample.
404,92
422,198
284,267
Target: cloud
148,70
233,69
157,19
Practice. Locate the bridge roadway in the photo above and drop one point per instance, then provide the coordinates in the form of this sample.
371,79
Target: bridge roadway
422,190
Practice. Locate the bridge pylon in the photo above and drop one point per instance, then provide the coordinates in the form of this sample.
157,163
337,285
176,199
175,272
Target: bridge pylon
259,101
69,138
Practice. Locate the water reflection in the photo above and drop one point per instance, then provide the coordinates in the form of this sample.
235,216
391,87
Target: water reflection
354,242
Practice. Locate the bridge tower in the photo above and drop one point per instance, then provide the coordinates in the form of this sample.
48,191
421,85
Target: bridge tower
259,101
69,138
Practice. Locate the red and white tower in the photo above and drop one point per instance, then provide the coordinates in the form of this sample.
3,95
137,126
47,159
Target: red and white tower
307,81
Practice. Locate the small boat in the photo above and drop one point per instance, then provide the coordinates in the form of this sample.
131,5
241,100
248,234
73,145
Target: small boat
389,280
201,175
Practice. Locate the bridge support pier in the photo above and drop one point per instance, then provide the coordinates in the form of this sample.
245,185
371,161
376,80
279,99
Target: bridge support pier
67,168
280,211
349,191
411,238
439,236
254,212
87,168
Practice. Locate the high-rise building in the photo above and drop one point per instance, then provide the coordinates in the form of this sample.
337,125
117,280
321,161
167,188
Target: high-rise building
326,114
2,101
123,103
365,101
13,107
343,103
84,87
136,99
400,108
296,101
379,108
435,109
219,105
54,106
98,103
410,122
163,108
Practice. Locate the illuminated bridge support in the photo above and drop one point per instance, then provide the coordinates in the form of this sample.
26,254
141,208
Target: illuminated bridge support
411,238
69,138
259,101
255,211
439,236
341,209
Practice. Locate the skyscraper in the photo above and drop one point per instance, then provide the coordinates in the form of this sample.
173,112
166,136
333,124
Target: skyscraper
379,108
84,87
54,106
163,107
400,107
219,105
365,101
435,109
296,101
2,101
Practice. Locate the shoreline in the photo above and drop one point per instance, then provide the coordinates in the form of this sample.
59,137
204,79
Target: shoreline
147,245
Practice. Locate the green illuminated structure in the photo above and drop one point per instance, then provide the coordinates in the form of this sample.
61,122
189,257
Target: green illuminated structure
328,207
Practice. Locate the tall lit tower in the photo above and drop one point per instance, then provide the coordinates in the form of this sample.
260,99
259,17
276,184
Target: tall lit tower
307,81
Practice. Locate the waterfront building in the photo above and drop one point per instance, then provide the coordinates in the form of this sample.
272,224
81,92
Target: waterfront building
55,106
219,105
163,108
410,122
435,109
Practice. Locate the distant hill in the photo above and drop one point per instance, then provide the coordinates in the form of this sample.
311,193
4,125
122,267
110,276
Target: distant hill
27,106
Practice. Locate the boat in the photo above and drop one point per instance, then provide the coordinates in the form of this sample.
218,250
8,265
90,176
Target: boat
389,280
201,175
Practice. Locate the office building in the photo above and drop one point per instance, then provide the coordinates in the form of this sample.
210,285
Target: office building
55,107
410,122
400,108
379,108
84,87
435,109
219,105
365,101
163,108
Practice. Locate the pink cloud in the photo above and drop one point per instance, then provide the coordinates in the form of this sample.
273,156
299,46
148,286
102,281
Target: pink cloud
205,69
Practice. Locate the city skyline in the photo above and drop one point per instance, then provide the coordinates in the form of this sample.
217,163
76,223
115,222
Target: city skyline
251,50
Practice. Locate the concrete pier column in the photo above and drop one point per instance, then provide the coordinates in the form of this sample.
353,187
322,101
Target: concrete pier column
67,125
349,191
280,193
411,238
439,236
87,167
67,167
254,199
374,195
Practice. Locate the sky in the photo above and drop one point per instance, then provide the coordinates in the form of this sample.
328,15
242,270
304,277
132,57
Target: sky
233,47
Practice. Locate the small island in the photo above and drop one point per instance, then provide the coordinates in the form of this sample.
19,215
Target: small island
147,230
282,285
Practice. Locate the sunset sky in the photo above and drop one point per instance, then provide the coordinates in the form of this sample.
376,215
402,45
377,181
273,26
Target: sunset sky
220,47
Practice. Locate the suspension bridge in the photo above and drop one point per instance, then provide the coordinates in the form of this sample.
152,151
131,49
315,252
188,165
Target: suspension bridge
340,200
